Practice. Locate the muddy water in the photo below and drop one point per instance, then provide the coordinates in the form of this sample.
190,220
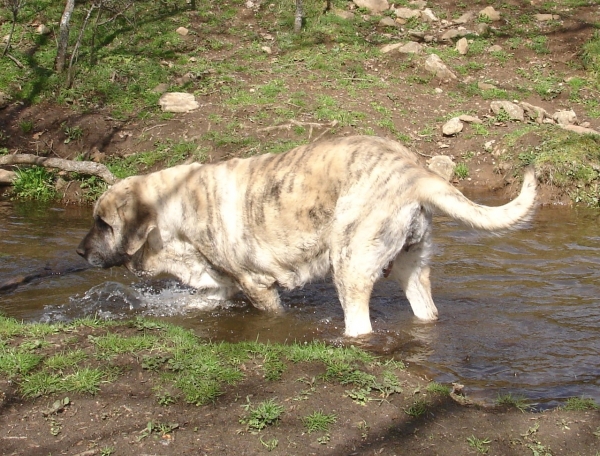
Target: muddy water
518,314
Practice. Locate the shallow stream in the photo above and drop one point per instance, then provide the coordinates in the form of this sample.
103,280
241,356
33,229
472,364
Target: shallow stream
518,313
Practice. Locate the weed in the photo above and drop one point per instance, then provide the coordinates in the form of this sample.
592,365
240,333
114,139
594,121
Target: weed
417,408
318,421
580,404
107,451
508,400
481,445
65,360
461,170
94,187
274,368
34,183
438,388
270,445
539,44
360,395
157,428
26,126
72,133
262,415
389,385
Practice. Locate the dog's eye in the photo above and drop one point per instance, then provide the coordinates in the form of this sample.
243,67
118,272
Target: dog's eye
101,224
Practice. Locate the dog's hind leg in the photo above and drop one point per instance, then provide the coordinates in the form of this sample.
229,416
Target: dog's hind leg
354,292
411,270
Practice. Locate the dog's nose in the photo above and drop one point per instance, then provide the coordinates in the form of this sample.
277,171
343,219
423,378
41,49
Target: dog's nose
80,251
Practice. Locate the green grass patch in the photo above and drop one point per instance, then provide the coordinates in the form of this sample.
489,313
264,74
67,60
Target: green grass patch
580,404
318,421
508,400
35,182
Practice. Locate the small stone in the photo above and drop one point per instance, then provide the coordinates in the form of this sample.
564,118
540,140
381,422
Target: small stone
7,177
182,31
485,86
42,29
438,90
489,145
452,127
580,129
462,46
565,117
470,119
344,14
490,13
428,15
494,48
443,166
4,100
546,17
419,36
449,35
435,65
387,22
515,112
390,47
373,6
411,47
161,88
178,102
419,4
467,17
535,112
407,13
482,29
266,50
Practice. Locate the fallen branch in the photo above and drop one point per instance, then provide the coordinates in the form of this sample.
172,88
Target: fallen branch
295,123
82,167
17,281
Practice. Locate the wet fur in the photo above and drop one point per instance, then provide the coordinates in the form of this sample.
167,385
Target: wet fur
347,207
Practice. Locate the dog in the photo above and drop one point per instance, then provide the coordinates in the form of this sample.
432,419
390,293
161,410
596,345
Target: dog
358,208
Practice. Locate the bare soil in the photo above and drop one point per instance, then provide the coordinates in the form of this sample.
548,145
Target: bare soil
116,417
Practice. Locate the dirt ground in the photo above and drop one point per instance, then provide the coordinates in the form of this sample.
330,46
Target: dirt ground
115,420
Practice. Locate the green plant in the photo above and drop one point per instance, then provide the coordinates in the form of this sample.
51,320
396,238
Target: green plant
437,388
262,415
580,404
270,445
508,400
481,445
461,170
539,44
26,126
72,133
318,421
417,408
34,183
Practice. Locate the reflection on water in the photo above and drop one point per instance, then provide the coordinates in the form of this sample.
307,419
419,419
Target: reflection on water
518,313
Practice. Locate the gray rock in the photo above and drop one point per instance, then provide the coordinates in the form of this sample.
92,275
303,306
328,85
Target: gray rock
565,117
428,15
419,4
452,127
344,14
580,129
407,13
546,17
494,48
490,13
43,29
7,177
411,47
482,29
388,22
419,36
434,65
373,6
4,100
470,119
443,166
462,46
178,102
535,112
390,47
485,86
449,35
266,50
515,112
465,18
182,31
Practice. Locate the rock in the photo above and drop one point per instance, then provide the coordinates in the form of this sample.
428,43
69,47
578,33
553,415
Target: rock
184,79
419,36
407,13
462,46
7,177
449,35
434,65
546,17
43,29
161,88
182,31
470,119
373,6
428,15
266,50
443,166
494,48
4,100
490,13
178,102
452,127
482,29
485,86
535,112
390,47
411,47
465,18
387,22
565,117
438,90
419,4
344,14
489,145
580,129
515,112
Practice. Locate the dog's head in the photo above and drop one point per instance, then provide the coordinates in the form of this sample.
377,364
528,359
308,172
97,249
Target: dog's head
124,220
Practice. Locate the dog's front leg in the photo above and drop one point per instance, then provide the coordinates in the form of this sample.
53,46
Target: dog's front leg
261,296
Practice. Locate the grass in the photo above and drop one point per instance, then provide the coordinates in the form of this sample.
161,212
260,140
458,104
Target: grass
461,170
417,408
318,421
480,445
580,404
264,414
34,183
508,400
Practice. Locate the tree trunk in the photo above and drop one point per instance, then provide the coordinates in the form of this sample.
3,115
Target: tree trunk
63,36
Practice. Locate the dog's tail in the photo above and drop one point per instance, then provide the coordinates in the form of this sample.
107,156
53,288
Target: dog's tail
441,195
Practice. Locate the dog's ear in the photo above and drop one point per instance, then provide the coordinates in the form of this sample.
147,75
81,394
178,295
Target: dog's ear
138,221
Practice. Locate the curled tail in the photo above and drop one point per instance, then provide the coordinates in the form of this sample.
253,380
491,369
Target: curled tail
441,195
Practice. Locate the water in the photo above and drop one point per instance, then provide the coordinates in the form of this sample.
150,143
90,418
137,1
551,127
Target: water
519,314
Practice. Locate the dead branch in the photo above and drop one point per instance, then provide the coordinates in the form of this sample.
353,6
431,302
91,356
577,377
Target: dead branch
296,123
82,167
